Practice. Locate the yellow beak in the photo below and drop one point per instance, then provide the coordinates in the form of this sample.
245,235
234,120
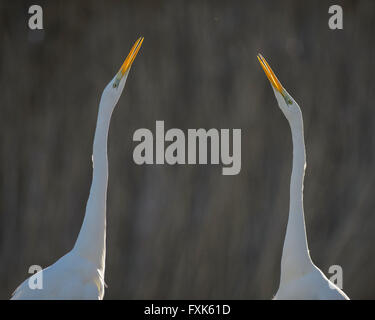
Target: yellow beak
129,59
270,75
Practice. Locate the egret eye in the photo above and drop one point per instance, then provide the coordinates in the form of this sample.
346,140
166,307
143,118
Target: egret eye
116,83
288,100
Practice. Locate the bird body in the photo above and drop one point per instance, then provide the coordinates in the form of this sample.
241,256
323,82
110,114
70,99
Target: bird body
70,277
312,285
80,273
300,278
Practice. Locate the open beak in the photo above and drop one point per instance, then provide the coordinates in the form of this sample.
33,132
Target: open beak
271,76
128,61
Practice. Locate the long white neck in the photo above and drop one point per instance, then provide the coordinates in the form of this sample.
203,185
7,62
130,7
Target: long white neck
92,236
296,259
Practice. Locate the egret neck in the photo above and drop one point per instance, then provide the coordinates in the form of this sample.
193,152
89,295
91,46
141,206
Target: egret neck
296,258
91,240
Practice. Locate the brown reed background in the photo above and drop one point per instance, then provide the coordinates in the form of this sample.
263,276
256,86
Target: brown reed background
187,231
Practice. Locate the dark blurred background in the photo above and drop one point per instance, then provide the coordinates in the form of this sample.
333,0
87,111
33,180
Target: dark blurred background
187,231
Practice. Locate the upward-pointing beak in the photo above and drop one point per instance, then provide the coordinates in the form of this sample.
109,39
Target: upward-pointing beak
129,60
270,75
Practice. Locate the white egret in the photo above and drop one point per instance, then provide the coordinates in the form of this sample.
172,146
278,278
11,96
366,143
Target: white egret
300,278
80,273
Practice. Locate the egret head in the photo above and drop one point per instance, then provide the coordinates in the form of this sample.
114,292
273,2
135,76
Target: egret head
113,90
286,103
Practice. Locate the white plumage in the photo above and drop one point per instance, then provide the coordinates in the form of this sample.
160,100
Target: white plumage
300,278
80,273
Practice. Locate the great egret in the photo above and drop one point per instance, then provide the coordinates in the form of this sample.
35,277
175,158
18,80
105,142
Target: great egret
300,278
80,273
